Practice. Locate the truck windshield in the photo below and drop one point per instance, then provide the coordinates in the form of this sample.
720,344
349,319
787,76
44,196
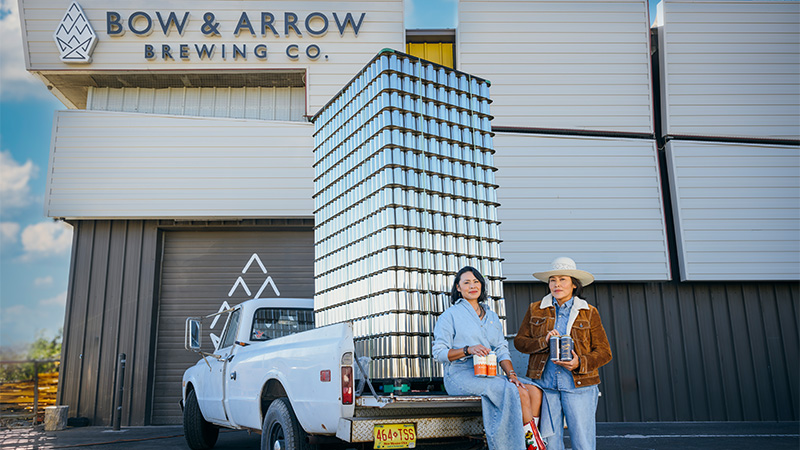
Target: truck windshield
271,323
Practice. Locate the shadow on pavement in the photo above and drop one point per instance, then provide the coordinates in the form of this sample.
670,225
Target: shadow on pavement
610,436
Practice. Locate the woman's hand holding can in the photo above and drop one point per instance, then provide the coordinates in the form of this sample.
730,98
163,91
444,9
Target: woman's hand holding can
479,350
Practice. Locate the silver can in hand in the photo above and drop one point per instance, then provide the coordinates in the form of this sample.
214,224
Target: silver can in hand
565,348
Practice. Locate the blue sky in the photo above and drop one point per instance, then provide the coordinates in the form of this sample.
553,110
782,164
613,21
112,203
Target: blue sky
35,250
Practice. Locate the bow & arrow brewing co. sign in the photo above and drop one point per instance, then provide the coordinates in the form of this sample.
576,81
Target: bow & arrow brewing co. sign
206,33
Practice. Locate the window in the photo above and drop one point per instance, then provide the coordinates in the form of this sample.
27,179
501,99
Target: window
230,332
271,323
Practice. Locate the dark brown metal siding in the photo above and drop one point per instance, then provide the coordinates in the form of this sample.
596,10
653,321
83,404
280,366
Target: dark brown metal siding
112,306
692,351
682,351
198,271
109,311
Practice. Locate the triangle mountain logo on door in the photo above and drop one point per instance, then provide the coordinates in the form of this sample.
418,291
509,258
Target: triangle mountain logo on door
268,281
74,36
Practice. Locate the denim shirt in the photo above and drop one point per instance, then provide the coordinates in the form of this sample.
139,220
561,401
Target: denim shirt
555,376
459,326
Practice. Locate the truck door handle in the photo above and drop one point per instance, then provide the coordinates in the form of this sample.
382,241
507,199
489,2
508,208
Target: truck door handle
230,358
233,376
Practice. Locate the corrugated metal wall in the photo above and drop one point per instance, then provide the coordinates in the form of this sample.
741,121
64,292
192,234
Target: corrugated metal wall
683,351
729,82
264,103
128,165
110,310
692,351
730,68
596,199
737,210
200,270
558,64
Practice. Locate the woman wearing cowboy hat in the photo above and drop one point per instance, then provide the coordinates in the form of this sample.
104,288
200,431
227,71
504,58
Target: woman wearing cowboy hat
569,387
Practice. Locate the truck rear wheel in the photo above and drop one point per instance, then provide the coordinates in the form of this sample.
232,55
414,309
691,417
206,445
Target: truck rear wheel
199,434
280,430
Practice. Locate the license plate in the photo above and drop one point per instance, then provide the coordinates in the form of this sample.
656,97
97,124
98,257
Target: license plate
395,435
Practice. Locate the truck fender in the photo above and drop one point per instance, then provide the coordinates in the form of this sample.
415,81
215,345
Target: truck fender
273,385
189,380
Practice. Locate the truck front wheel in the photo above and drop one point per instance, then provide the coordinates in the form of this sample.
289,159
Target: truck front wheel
199,434
280,430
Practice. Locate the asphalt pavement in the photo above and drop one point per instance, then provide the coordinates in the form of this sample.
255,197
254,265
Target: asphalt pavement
610,436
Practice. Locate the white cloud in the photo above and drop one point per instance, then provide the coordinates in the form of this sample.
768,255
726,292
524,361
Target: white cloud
46,239
13,311
9,232
15,81
43,281
15,190
58,300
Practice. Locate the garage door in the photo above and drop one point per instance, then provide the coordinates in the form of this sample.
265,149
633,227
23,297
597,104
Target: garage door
203,269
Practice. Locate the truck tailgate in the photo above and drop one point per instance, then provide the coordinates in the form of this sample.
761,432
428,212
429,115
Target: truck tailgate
434,416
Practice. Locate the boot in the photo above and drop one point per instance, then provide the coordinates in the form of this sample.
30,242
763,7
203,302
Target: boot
537,437
531,434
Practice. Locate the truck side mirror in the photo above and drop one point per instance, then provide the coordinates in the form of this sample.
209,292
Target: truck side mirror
192,336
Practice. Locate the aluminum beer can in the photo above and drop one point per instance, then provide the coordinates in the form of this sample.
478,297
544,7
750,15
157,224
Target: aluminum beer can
566,345
479,364
491,364
554,346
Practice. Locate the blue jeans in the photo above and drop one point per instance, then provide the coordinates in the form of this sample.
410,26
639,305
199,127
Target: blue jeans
579,406
502,413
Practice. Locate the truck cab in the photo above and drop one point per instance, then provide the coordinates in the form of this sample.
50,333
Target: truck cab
269,349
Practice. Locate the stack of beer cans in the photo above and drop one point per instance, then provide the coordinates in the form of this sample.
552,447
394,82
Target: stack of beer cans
405,196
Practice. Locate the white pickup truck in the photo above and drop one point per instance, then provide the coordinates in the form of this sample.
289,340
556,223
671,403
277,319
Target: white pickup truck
298,386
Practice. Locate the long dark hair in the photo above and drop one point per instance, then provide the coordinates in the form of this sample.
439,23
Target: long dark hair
455,295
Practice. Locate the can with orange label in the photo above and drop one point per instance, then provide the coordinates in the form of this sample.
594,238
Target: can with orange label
491,364
479,363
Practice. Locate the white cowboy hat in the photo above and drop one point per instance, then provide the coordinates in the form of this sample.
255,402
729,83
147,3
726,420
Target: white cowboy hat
565,266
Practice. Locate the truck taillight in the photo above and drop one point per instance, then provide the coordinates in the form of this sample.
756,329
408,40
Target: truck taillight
347,378
347,385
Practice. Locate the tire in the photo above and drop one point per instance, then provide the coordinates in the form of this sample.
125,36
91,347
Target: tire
280,430
199,434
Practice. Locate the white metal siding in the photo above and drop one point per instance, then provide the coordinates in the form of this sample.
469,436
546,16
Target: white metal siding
597,200
127,165
730,68
736,209
341,56
265,103
558,64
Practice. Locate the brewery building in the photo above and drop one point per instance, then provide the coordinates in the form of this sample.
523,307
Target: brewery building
660,153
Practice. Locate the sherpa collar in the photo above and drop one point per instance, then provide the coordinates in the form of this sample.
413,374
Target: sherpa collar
577,305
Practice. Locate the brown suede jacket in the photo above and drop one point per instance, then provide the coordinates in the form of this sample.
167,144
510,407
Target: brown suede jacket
585,328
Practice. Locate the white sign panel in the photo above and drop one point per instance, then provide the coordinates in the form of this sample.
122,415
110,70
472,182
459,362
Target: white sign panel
327,40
